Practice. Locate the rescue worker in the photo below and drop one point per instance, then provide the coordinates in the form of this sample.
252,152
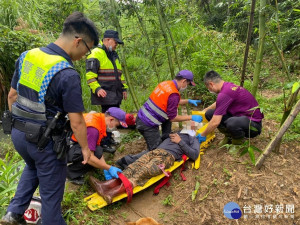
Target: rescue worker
148,166
45,85
235,113
97,126
105,79
161,110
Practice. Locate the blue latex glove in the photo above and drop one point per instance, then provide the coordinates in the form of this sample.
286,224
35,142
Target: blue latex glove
114,171
107,175
201,138
194,102
197,118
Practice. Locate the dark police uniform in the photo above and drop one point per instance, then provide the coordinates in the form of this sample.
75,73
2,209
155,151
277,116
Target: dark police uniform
42,168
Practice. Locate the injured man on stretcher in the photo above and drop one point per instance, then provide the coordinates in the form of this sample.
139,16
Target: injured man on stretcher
150,164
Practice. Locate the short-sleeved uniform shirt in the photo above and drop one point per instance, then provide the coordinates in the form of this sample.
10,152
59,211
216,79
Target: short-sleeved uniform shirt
237,101
64,88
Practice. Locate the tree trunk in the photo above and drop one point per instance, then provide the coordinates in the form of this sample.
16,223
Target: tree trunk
123,60
164,33
248,42
259,54
278,136
144,31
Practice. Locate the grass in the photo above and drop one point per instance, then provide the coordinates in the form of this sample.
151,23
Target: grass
75,209
11,168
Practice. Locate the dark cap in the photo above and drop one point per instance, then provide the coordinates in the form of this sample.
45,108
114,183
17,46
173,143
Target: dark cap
113,34
119,114
186,74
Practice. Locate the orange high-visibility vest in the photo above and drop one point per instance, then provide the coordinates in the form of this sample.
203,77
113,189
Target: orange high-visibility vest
161,94
156,106
96,120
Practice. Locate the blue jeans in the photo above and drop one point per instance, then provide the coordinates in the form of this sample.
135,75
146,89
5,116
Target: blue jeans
42,169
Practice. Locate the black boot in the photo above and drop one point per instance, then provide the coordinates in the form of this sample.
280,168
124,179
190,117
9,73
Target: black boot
106,144
11,218
109,149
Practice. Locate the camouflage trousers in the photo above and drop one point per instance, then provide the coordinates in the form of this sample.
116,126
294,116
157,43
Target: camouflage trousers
146,167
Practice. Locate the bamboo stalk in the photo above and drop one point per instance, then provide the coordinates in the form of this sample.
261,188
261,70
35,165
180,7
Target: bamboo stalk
259,54
248,42
123,60
164,33
273,143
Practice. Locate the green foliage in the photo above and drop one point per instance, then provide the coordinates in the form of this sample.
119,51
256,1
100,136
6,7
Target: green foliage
12,10
11,168
168,201
194,192
12,44
74,207
246,147
130,136
53,13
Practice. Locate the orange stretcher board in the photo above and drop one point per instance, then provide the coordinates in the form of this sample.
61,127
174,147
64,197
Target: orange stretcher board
95,201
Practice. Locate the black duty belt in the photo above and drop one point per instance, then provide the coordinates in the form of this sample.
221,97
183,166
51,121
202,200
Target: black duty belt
19,125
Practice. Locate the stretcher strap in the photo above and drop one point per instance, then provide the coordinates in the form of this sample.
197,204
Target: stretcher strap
127,185
164,182
183,168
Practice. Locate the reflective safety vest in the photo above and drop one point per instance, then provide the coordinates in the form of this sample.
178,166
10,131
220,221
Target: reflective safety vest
36,70
96,120
106,72
155,108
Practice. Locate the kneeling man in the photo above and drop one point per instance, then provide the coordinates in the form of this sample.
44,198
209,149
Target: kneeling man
97,125
235,113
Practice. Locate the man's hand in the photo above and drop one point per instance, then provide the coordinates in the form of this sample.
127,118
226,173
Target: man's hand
114,171
124,95
201,138
101,93
175,138
197,118
194,102
86,155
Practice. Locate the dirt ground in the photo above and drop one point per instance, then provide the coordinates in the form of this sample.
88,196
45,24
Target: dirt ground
223,178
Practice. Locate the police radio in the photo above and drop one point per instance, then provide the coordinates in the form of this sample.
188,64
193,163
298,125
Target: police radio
7,122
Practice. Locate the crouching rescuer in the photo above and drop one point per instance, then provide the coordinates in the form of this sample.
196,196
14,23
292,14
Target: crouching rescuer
98,124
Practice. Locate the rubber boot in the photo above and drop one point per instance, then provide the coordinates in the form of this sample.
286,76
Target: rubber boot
104,185
110,194
238,141
226,139
107,189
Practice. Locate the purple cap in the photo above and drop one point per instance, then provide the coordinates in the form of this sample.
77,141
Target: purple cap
119,114
186,74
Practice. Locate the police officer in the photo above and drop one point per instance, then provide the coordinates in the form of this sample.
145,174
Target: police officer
45,84
105,79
